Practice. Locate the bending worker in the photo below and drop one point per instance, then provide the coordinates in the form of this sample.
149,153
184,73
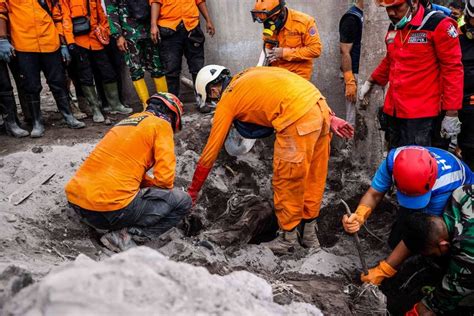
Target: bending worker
274,98
425,178
291,38
113,191
452,236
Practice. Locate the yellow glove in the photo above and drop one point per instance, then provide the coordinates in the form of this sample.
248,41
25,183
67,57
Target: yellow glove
351,86
353,223
379,273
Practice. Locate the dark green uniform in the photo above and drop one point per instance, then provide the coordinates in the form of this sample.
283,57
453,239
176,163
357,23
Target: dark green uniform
457,287
142,54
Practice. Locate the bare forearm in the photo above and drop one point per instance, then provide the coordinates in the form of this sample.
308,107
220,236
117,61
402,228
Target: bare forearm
205,13
346,62
155,12
398,255
372,198
3,28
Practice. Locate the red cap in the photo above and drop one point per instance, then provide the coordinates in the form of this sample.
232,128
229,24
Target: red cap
415,171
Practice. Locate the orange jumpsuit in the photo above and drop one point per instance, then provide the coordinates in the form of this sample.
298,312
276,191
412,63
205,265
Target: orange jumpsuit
32,29
76,8
112,175
172,12
294,107
300,40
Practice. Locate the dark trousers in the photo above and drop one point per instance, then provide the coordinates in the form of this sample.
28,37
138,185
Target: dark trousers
151,213
466,137
117,60
403,132
175,44
5,83
85,59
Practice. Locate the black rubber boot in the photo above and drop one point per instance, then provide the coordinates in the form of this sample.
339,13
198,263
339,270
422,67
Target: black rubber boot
35,112
65,109
7,102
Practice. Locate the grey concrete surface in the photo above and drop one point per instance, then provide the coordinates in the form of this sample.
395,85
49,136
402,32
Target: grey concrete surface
238,43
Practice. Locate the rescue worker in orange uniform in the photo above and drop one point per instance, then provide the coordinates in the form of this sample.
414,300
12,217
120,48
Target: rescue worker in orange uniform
276,99
176,27
86,43
125,186
291,38
38,40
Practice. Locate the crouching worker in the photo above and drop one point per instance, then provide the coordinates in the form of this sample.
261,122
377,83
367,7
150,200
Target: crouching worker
112,190
425,178
273,98
450,235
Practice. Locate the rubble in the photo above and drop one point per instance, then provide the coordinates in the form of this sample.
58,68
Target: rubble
143,281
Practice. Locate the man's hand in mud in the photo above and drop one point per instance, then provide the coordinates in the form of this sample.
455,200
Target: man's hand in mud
275,54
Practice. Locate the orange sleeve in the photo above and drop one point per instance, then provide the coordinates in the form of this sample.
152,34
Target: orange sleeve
103,21
57,17
67,22
4,8
223,119
165,159
312,46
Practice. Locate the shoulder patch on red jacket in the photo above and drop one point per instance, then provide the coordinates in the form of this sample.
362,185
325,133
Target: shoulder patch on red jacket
452,31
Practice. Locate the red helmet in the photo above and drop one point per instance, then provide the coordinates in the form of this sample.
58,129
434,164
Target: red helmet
173,103
388,3
415,172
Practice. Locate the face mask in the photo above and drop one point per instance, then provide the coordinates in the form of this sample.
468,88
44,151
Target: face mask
404,21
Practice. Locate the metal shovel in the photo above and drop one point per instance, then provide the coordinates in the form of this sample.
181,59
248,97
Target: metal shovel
357,242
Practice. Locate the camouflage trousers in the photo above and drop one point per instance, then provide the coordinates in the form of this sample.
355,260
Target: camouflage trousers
143,55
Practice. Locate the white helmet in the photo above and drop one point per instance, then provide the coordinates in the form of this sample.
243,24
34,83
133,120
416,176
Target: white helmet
205,76
469,8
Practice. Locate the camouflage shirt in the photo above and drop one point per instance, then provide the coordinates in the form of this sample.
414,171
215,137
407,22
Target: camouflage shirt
457,287
122,23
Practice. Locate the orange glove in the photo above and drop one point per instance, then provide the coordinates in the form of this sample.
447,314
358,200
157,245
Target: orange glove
379,273
351,86
353,223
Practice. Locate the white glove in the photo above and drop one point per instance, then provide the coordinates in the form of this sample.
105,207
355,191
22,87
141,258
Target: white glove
450,127
365,90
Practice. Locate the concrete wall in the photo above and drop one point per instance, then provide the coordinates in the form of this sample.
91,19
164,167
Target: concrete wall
369,141
237,43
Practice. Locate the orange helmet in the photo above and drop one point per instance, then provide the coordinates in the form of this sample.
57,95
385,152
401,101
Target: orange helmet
389,3
265,9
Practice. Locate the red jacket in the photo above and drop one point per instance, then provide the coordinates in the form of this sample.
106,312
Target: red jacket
424,68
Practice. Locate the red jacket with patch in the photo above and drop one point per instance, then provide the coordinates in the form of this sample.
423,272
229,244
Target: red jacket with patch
423,66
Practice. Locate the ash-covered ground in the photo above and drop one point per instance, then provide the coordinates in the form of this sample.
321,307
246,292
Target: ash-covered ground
43,232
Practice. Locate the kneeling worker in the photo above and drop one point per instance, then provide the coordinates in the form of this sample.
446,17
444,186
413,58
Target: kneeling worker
112,190
425,178
275,99
450,235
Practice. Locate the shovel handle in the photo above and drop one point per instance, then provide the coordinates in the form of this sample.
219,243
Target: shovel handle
365,269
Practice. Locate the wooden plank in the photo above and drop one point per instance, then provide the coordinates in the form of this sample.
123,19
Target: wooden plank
23,192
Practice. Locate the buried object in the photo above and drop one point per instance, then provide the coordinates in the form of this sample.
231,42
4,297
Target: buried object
245,219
